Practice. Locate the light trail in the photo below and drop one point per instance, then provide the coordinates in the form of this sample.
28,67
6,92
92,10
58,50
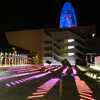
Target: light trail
84,91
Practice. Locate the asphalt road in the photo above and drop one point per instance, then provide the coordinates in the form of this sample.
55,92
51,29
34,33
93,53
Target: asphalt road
43,86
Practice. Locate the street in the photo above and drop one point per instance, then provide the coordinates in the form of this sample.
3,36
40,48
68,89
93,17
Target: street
51,84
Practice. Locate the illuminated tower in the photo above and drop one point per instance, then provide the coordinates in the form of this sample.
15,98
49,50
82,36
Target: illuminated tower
68,17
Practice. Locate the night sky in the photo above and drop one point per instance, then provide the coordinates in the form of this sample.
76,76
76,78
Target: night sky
35,14
16,15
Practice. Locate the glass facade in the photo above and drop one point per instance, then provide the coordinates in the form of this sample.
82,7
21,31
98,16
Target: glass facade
68,17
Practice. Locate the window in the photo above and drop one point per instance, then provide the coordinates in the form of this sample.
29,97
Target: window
70,40
66,54
65,41
65,48
70,47
71,54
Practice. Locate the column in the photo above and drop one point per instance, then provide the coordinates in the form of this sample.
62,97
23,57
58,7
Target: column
1,54
15,58
12,58
9,58
18,59
26,59
5,58
22,59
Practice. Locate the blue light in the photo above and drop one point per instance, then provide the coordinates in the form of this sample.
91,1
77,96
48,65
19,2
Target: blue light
68,17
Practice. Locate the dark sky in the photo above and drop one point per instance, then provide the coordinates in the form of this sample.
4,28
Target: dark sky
30,14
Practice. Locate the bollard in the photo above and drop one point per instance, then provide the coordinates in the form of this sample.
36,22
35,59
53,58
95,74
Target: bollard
60,89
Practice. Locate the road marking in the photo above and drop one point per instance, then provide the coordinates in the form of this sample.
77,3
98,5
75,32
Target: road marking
36,96
44,88
84,91
18,75
29,78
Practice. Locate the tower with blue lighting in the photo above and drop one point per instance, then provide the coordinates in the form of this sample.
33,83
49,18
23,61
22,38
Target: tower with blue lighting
68,17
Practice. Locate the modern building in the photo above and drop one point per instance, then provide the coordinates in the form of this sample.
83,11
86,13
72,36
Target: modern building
54,44
68,17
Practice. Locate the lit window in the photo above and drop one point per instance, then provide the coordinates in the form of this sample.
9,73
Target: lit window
71,54
65,41
70,40
61,48
66,54
65,48
70,47
61,55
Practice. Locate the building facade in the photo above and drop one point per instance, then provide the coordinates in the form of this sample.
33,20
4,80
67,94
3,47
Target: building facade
53,45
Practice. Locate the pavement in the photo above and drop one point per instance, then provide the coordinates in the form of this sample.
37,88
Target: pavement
64,89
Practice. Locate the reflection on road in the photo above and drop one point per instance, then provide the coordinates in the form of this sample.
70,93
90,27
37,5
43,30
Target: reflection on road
84,91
